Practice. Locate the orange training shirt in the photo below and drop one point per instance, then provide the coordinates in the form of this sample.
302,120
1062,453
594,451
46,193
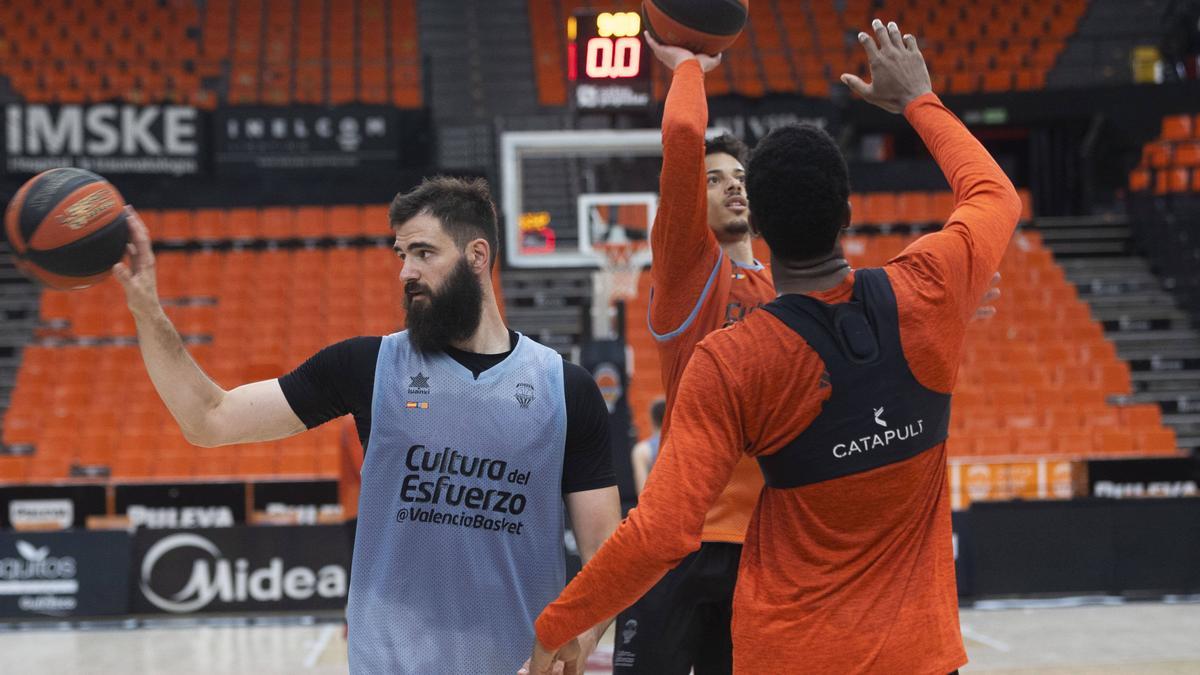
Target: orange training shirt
849,575
697,289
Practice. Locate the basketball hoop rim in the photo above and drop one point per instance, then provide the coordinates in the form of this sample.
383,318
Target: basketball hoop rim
615,256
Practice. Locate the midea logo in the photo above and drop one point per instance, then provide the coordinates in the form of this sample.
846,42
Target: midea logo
215,577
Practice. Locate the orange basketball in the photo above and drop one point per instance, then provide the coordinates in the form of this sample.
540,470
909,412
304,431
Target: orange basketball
67,228
700,26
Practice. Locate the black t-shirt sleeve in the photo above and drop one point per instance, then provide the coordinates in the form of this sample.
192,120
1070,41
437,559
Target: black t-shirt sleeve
338,380
587,462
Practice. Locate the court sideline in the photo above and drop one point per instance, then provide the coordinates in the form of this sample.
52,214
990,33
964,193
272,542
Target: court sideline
1158,638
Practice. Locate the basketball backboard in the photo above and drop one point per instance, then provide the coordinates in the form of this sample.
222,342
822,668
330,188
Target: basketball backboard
565,191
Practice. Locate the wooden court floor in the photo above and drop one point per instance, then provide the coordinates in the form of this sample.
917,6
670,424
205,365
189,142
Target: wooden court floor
1155,638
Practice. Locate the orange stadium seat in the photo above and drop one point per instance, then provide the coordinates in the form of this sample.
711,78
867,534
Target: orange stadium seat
1160,441
1034,444
1139,180
1178,179
1113,441
1157,154
1187,154
997,442
1144,416
1177,127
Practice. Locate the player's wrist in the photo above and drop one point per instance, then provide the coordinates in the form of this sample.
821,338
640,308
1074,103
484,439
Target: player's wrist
589,640
148,312
907,104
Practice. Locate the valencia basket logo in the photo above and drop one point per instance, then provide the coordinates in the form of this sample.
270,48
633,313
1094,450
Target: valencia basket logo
524,394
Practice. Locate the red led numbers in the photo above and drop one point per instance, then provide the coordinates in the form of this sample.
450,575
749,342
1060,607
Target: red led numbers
613,59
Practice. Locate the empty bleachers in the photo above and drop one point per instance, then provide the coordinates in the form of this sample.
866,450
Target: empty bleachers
253,292
83,398
1170,164
803,46
273,223
1038,381
272,52
74,52
990,46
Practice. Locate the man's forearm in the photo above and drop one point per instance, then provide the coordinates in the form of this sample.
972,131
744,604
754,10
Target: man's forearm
683,245
186,390
968,166
680,230
986,203
603,515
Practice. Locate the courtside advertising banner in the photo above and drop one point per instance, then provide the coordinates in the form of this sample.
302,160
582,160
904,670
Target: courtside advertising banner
307,501
961,538
299,138
1144,478
62,574
182,505
108,138
241,569
750,119
50,506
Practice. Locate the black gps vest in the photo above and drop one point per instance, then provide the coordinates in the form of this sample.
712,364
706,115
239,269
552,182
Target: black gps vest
878,413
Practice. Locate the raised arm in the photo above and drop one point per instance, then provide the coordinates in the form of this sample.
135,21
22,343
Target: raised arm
684,248
207,414
967,251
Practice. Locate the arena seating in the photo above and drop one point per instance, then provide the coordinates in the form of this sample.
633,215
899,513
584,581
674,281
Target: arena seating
1170,164
83,397
1035,379
210,225
253,292
238,51
803,46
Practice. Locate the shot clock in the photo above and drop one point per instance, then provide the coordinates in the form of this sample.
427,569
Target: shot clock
607,61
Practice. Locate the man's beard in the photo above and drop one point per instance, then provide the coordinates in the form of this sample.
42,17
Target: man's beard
736,228
450,315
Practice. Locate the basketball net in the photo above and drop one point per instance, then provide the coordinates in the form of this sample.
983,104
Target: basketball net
621,264
620,269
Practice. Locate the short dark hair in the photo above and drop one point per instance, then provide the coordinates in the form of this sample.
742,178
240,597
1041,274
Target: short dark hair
728,144
798,182
463,206
658,410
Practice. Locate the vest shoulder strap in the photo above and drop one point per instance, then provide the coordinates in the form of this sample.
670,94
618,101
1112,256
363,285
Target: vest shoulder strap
877,413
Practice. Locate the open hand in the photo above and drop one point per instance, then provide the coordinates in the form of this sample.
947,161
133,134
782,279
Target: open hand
986,309
673,56
898,72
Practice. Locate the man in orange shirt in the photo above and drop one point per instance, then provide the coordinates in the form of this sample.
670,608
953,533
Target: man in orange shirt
704,278
840,389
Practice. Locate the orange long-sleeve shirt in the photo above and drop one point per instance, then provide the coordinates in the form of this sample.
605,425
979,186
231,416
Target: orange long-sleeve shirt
849,575
696,288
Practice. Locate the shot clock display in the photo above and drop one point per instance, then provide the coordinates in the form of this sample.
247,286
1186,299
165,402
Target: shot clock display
608,61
